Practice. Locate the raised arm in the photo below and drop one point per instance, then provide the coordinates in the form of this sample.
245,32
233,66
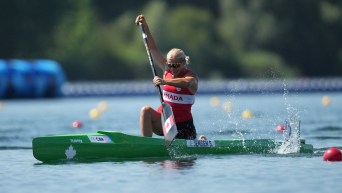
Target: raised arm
158,58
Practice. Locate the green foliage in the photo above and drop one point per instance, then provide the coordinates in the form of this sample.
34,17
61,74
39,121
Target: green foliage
97,40
261,64
191,29
72,38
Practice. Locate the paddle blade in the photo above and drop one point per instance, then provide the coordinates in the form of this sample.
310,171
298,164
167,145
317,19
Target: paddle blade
169,124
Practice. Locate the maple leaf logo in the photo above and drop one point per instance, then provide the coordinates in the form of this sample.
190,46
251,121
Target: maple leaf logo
70,152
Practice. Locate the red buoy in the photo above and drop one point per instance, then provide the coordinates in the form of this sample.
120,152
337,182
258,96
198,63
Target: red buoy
280,128
333,154
77,124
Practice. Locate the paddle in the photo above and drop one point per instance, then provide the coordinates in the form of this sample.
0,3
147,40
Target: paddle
167,118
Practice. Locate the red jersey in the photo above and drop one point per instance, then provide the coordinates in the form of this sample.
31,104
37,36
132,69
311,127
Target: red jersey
180,99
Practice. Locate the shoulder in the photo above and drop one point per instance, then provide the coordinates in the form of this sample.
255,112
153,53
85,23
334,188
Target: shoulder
167,72
193,81
190,73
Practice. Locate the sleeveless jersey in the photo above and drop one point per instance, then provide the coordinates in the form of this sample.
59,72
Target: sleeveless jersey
180,99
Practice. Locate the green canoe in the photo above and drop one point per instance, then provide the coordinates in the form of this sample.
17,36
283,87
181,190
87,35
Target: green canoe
116,145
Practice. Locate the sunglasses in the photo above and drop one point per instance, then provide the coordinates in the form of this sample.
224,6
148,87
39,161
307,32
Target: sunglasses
173,65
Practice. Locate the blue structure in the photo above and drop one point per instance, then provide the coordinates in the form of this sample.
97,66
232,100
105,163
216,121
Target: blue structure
30,78
4,74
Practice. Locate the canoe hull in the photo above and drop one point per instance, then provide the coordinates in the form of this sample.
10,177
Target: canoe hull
116,145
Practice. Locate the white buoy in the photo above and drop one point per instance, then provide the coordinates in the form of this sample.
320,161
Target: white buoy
102,106
215,101
227,106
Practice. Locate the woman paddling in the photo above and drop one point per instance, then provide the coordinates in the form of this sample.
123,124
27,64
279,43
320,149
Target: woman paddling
179,88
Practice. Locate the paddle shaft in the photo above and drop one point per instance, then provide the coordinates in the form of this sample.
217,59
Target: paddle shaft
168,122
151,60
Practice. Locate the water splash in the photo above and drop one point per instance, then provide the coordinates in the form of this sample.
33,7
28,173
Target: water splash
292,132
292,138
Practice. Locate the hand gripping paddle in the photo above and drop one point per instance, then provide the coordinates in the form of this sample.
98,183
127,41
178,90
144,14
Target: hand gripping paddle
167,118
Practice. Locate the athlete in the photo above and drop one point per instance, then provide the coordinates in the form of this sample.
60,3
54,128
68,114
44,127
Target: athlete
179,88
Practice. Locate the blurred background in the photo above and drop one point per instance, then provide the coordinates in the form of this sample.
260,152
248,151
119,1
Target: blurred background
98,41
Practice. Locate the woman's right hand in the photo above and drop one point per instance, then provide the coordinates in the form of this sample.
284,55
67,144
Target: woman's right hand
140,19
158,81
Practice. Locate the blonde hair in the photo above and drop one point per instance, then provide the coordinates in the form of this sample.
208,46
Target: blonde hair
179,55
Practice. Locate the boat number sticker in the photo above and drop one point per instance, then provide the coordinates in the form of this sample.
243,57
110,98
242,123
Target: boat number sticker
200,143
76,141
99,139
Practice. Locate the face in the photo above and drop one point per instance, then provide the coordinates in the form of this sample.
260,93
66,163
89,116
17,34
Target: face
175,66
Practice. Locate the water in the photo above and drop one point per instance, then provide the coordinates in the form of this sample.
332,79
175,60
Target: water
22,120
